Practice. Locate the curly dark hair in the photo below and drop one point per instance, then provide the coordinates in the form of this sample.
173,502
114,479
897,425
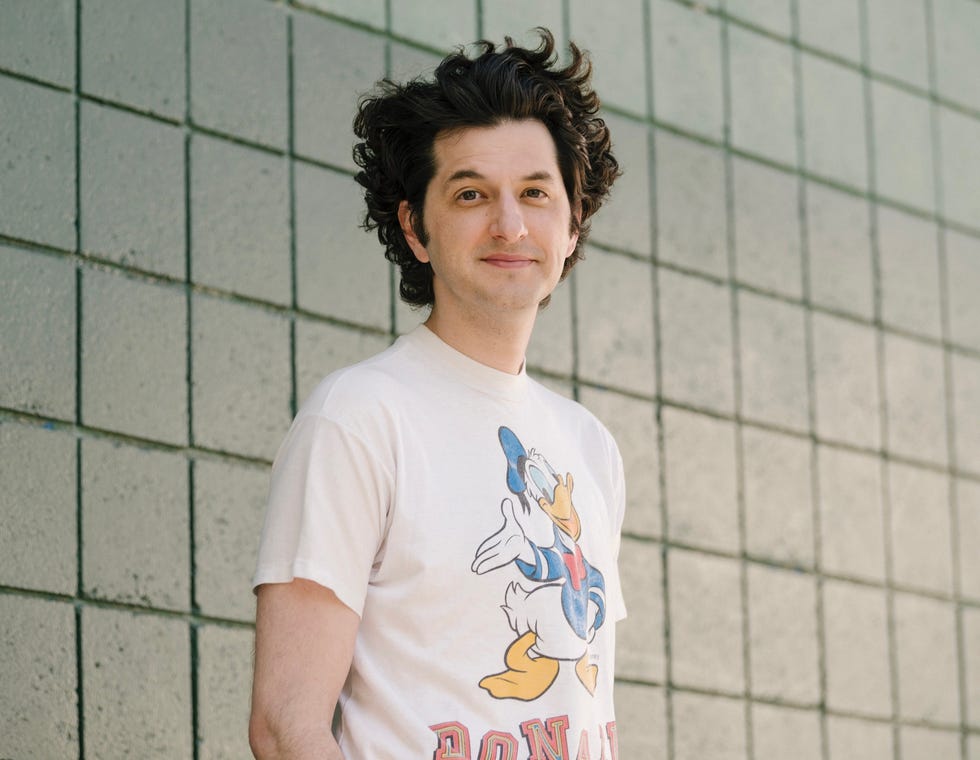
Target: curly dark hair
398,124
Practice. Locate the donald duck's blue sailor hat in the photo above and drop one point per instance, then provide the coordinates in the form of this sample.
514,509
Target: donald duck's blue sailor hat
516,456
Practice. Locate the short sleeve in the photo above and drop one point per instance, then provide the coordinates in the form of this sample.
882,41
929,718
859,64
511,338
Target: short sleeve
616,603
327,513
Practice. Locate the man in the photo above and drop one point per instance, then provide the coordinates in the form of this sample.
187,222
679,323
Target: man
439,553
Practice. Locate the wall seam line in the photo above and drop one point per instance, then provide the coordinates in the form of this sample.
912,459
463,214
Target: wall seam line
949,380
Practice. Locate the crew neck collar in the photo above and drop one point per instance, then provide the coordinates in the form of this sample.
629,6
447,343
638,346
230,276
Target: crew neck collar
469,371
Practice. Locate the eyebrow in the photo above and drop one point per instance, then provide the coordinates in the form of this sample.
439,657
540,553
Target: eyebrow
473,174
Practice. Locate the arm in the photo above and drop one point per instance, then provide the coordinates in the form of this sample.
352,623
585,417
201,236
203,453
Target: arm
304,643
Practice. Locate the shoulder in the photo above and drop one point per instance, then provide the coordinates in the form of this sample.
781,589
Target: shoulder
352,412
588,428
369,386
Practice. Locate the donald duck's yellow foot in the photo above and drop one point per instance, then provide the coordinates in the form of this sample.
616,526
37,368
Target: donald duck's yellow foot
526,677
587,674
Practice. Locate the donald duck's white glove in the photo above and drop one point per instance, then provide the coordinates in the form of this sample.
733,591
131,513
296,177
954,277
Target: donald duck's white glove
506,545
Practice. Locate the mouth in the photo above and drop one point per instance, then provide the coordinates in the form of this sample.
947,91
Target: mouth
508,260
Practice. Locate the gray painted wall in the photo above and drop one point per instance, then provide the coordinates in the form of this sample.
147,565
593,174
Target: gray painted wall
778,318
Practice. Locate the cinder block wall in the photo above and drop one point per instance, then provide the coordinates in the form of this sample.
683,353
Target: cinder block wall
778,318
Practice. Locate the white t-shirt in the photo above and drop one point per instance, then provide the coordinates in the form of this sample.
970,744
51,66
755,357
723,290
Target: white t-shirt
467,515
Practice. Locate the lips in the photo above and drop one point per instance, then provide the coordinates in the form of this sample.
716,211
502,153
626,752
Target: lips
509,260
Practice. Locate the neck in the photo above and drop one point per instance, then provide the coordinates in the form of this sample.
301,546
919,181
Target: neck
500,343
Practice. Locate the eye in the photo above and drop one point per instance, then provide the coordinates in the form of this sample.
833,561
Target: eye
468,195
544,487
535,192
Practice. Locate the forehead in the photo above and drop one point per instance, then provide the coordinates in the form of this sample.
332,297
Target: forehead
511,147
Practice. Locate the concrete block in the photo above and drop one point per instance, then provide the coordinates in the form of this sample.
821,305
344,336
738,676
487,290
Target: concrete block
38,39
700,480
410,62
132,204
240,239
696,341
920,528
960,139
921,743
333,65
767,228
634,425
856,649
763,111
968,503
956,26
971,664
552,339
616,42
846,381
687,89
852,530
341,271
834,121
640,637
839,240
707,726
773,367
973,746
771,15
135,525
833,26
925,637
441,24
241,377
224,678
137,684
853,739
135,53
966,407
778,733
370,12
615,346
229,505
125,386
322,348
903,146
909,264
38,509
705,623
691,217
641,721
37,344
914,388
962,283
897,40
37,178
518,20
624,221
778,497
239,69
783,636
39,715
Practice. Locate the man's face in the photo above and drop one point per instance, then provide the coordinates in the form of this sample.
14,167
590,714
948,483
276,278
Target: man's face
498,220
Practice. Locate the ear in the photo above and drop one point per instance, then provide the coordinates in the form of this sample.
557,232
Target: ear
573,238
572,242
405,220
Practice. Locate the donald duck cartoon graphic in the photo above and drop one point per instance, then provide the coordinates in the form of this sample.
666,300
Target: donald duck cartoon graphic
557,618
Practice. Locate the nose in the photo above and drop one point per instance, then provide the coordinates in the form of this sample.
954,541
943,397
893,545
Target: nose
507,224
